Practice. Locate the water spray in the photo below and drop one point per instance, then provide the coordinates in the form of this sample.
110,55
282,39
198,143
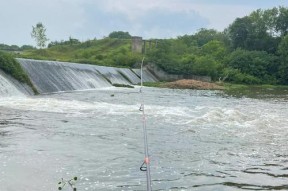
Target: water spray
146,164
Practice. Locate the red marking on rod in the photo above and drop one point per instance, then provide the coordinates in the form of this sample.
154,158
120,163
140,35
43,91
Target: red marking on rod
146,160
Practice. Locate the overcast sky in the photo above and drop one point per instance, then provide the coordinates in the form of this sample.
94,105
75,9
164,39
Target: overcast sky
88,19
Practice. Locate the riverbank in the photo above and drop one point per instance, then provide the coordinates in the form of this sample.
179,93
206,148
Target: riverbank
193,84
233,89
186,84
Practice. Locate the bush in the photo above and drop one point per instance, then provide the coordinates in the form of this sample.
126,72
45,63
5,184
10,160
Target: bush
10,66
235,75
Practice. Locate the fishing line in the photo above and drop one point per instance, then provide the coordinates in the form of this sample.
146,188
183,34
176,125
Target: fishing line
146,164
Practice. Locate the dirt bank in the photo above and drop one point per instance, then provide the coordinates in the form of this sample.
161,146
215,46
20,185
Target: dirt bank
192,84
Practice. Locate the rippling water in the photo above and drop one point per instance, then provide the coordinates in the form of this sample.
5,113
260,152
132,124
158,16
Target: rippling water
198,140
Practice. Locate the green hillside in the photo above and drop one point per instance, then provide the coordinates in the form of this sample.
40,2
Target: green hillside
106,52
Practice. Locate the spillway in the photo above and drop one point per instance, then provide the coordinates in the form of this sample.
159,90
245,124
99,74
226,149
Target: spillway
53,76
9,87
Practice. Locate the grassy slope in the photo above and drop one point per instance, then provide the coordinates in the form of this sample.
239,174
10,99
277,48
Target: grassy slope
10,66
107,52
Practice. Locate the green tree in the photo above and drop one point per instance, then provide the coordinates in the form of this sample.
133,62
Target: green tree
204,36
26,47
282,21
120,35
270,17
206,65
258,66
215,49
264,33
39,34
254,32
283,68
239,32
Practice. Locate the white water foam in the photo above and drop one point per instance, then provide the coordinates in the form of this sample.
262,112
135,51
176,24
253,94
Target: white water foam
8,89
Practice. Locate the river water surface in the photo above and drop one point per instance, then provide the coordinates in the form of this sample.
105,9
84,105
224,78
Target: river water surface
198,140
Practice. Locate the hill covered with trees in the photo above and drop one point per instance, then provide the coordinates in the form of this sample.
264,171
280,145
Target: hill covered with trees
251,50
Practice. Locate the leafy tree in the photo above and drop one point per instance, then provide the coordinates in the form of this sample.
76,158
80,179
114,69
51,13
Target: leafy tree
27,47
258,64
204,36
282,21
120,35
264,30
239,32
270,17
206,65
39,34
261,30
253,32
9,48
215,49
283,52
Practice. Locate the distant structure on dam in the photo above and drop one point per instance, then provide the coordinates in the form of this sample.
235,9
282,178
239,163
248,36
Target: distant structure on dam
141,46
136,44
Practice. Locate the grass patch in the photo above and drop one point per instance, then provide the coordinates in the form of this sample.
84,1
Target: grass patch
154,84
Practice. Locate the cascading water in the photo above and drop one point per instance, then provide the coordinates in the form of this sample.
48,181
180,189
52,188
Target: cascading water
7,88
51,76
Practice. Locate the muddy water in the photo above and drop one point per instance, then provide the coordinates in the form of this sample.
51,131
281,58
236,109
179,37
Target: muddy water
198,140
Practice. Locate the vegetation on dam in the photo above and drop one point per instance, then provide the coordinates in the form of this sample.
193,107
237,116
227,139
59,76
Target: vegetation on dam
10,66
106,52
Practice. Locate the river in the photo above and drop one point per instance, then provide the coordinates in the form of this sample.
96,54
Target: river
198,140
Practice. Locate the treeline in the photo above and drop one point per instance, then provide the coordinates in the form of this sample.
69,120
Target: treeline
252,50
70,41
74,41
5,47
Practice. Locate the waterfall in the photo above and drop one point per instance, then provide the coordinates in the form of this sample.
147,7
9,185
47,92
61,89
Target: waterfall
8,87
53,76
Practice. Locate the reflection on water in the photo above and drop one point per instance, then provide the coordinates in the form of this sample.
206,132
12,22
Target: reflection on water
199,140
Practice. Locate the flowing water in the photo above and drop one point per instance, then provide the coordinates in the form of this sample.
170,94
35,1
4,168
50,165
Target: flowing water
198,140
53,76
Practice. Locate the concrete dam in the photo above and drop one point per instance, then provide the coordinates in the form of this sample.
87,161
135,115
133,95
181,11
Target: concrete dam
54,76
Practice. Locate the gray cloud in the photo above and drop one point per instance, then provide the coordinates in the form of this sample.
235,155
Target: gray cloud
87,19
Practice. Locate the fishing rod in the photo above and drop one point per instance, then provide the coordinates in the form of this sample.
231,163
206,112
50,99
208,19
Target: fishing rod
146,164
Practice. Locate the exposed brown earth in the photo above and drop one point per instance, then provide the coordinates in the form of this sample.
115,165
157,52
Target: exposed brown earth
192,84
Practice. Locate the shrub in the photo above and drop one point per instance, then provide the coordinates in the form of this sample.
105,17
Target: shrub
10,66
